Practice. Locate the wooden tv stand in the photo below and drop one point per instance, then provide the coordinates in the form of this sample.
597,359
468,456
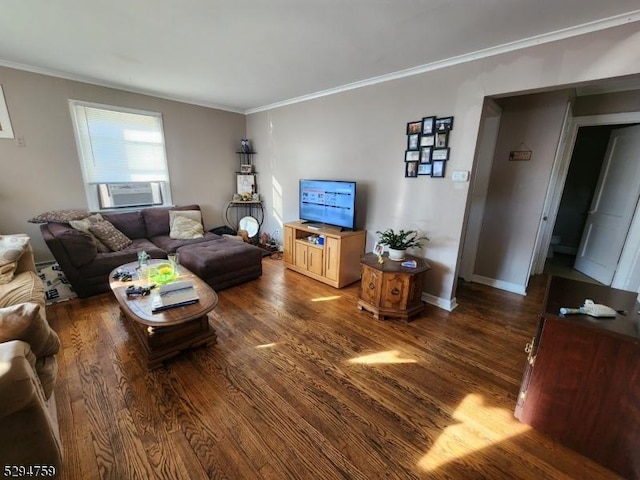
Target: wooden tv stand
336,263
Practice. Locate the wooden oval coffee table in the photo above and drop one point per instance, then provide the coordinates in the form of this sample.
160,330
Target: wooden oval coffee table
165,334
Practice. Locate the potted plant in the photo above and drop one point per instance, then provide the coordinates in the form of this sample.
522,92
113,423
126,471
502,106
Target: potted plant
398,242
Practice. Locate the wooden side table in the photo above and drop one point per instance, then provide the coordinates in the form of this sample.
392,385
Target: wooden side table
390,290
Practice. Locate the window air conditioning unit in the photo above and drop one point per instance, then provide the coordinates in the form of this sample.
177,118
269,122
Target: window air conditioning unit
131,194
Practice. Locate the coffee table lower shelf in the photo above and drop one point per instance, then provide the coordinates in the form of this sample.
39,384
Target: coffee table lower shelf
163,343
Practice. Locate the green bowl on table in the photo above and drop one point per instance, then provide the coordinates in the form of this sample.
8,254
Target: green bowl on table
163,274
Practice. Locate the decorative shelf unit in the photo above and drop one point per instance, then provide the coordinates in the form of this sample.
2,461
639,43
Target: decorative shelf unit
336,263
236,210
246,175
246,211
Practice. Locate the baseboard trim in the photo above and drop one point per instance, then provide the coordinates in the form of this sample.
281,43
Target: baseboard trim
446,304
501,285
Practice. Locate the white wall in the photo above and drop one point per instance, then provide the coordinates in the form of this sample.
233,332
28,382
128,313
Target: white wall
517,188
360,135
45,174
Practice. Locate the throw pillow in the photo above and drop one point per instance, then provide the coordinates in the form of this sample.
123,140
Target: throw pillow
195,215
11,249
59,216
22,322
110,235
84,224
185,228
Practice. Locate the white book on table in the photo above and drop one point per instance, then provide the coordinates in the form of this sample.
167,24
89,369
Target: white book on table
173,295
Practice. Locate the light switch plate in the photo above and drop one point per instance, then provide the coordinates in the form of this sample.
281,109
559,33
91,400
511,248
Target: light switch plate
460,176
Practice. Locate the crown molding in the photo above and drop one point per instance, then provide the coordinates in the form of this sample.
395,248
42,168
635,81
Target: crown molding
114,85
590,27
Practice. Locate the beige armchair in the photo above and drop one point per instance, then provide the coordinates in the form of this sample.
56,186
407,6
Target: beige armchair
28,370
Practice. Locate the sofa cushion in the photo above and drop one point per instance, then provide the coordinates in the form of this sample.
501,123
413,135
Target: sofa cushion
80,247
110,235
47,370
195,215
157,219
84,225
129,223
23,322
18,382
11,249
59,216
185,228
25,287
170,245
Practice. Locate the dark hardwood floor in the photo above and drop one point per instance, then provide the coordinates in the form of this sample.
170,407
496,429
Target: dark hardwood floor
301,384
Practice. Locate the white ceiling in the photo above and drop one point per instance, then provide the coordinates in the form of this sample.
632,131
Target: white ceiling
244,55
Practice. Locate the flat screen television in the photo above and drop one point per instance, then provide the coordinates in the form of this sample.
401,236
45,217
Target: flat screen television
328,202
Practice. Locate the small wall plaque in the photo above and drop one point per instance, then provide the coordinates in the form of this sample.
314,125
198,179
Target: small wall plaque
520,155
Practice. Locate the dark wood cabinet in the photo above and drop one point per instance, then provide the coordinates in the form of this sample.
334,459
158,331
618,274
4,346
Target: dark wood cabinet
390,290
581,384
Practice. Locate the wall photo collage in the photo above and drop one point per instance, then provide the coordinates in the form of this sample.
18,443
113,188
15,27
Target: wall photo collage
427,147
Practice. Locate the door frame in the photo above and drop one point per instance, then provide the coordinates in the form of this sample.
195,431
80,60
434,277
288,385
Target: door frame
559,175
485,153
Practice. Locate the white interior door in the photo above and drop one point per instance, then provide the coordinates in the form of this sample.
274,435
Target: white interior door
612,208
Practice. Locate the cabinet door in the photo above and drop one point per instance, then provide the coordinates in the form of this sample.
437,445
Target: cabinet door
332,258
371,285
415,291
300,256
289,235
395,291
314,260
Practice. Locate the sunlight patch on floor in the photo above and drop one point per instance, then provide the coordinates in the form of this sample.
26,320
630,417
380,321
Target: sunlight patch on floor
390,356
478,427
267,345
325,299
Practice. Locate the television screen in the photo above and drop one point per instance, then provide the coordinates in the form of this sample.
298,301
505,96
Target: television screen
332,202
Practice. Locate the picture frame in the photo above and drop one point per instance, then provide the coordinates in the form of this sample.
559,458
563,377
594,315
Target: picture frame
6,131
437,168
427,141
440,154
427,125
245,184
378,249
414,127
413,141
246,168
412,156
425,155
444,124
442,139
425,169
411,169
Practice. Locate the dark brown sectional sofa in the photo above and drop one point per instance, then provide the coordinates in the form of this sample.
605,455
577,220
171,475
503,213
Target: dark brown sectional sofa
219,261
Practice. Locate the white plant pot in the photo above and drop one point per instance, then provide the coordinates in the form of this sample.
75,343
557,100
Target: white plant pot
397,255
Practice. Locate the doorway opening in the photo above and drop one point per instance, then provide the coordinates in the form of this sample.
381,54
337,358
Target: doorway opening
571,252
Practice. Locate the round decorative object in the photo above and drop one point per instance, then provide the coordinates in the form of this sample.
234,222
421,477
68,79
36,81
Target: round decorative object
397,255
250,225
164,273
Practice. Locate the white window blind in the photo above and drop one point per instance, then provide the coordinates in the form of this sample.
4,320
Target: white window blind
119,146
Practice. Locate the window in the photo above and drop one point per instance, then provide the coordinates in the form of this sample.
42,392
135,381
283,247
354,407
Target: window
122,156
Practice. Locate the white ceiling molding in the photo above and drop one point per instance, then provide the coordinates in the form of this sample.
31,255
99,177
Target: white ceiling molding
114,85
590,27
